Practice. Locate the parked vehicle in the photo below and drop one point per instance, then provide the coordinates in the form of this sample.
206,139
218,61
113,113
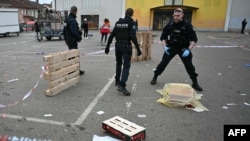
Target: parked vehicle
50,24
9,21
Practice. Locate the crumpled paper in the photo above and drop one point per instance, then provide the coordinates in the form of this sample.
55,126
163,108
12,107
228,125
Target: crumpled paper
106,138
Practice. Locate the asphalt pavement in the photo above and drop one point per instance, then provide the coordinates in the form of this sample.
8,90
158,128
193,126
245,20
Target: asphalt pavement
221,59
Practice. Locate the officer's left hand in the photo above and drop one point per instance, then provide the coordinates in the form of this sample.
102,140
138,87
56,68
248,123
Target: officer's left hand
185,53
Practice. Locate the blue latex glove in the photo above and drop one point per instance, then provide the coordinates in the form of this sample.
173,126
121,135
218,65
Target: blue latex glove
166,50
185,53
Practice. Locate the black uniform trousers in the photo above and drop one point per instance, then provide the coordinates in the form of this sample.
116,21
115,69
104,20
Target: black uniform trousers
187,61
72,44
123,53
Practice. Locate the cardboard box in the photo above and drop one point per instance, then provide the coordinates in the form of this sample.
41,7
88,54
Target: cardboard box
124,129
180,93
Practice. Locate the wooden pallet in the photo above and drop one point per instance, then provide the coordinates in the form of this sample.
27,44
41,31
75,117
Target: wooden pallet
145,40
124,129
62,70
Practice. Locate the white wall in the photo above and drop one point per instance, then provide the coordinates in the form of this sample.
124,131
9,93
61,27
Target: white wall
111,9
239,11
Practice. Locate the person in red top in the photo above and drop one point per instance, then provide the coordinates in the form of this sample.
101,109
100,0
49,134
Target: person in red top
105,30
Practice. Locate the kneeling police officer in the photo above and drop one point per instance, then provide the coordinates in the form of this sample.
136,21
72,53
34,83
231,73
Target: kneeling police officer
124,31
178,37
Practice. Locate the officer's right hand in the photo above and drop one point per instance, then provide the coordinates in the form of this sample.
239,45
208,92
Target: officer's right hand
166,50
138,52
107,49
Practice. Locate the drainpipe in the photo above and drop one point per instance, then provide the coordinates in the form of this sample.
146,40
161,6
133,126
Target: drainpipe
123,7
228,14
55,5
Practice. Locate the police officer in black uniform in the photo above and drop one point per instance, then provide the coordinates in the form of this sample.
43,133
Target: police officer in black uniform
124,31
72,32
178,37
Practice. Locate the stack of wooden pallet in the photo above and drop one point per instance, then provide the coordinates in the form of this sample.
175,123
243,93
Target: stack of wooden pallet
62,70
145,41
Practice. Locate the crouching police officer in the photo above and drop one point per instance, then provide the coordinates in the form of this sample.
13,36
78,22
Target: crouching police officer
178,37
124,31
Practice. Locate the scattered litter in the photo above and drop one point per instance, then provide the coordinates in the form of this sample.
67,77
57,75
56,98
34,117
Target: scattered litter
247,104
13,80
3,115
224,107
40,53
200,95
48,115
100,112
231,104
128,105
219,73
6,94
243,94
142,116
2,105
247,65
198,109
105,138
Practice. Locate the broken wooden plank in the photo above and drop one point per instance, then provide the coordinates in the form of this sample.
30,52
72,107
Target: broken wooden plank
61,56
63,79
54,67
62,72
62,86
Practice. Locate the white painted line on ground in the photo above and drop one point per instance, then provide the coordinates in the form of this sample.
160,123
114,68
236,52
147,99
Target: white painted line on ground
6,52
52,122
98,52
87,111
245,48
218,46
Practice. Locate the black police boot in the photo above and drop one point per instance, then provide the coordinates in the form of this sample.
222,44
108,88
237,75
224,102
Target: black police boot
196,86
117,82
82,72
154,80
123,90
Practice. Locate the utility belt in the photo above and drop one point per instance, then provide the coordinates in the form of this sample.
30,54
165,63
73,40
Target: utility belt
123,42
179,44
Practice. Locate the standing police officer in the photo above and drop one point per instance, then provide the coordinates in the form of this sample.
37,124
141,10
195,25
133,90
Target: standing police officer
178,37
72,32
124,31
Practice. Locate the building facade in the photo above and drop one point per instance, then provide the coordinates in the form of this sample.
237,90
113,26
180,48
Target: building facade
205,15
27,10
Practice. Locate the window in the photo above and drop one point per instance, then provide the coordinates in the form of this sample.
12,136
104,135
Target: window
173,2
